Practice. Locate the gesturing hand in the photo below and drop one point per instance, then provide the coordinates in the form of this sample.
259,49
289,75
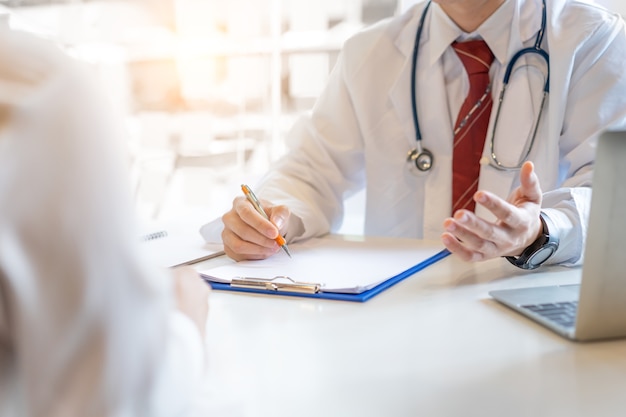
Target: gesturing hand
517,222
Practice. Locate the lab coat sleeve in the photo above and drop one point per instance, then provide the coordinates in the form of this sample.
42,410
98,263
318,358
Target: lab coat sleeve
325,163
595,97
90,327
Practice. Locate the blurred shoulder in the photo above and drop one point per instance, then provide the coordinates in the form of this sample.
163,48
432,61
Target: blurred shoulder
28,64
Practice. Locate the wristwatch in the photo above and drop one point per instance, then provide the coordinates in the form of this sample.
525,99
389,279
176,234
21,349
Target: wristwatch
540,250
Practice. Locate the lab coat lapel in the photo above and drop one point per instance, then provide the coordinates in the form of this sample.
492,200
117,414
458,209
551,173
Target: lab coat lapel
436,136
510,140
400,94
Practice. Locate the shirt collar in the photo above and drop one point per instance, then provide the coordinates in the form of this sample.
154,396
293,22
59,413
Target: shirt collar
515,22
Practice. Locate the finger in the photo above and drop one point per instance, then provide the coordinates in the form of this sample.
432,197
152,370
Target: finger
456,247
235,223
529,183
239,249
279,216
474,233
507,213
246,211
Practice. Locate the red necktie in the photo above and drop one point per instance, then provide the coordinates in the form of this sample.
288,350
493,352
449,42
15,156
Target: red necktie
471,124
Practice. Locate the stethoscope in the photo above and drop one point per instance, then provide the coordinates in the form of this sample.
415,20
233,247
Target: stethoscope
423,159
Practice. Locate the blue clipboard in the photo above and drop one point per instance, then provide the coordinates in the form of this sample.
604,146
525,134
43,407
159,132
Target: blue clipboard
360,297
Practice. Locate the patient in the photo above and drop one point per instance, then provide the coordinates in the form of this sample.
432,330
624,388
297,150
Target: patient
87,328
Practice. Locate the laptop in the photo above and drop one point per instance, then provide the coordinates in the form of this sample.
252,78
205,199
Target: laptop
595,309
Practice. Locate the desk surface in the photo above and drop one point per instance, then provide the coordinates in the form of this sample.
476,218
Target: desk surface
435,344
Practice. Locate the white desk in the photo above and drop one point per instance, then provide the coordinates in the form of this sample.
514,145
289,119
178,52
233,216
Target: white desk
435,344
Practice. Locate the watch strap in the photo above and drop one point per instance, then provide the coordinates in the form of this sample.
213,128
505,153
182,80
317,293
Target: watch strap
540,250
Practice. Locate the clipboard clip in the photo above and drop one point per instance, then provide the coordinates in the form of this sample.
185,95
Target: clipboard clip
275,284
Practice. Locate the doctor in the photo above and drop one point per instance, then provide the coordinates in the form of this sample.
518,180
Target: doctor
364,131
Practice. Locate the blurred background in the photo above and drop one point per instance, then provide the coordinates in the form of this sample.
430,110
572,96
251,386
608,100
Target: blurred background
209,88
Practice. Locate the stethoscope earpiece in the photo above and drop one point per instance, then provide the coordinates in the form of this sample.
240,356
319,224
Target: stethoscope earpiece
420,161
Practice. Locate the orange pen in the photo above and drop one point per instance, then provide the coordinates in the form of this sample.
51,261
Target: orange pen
257,205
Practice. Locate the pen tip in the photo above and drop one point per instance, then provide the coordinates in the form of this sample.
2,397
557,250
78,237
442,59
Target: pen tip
286,249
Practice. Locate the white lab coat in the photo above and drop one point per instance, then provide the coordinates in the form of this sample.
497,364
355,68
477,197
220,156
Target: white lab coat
87,328
361,128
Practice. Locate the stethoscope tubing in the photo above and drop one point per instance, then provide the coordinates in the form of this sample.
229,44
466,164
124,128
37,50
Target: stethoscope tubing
414,156
418,36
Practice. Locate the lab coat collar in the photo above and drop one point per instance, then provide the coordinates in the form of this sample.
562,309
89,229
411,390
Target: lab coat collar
505,31
406,28
403,32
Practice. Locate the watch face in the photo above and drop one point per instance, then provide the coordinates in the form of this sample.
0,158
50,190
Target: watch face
541,255
539,251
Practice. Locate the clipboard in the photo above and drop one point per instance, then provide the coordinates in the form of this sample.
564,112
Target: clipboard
287,285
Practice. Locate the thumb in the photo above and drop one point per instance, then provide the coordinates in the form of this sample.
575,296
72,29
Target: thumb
529,183
279,215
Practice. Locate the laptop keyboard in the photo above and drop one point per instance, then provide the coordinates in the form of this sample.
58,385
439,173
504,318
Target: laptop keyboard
561,313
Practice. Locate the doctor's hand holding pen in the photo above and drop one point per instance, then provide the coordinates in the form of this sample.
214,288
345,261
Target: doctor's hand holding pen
517,223
253,229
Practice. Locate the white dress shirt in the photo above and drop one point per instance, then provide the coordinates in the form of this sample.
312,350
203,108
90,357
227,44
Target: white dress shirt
87,328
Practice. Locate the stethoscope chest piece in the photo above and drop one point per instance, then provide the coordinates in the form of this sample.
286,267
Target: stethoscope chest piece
420,161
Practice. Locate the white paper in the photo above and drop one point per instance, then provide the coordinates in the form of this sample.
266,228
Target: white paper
181,244
342,266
